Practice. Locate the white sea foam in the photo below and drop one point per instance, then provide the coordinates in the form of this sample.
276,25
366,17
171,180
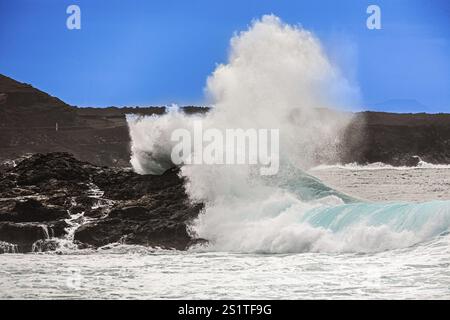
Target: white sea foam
418,272
380,166
278,76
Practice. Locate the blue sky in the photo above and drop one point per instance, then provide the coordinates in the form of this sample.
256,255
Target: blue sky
140,52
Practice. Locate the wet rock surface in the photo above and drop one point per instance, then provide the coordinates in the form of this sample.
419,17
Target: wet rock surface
51,199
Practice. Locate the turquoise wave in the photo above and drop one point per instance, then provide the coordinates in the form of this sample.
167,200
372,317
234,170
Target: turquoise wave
305,186
431,217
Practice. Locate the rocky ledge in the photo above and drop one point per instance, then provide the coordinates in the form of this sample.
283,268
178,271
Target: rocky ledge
50,201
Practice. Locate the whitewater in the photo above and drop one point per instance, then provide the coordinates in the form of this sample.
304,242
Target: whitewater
285,236
279,76
420,271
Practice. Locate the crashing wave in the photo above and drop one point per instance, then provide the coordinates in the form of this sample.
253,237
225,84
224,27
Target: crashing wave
278,76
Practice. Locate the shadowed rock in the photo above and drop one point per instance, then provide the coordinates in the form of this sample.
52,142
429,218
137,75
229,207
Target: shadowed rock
30,210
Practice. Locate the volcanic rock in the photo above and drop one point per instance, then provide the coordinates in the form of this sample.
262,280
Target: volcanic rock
52,196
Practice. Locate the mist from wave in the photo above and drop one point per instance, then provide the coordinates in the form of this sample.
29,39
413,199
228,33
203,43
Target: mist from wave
279,76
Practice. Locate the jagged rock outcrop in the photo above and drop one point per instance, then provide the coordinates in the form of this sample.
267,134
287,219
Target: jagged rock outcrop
54,196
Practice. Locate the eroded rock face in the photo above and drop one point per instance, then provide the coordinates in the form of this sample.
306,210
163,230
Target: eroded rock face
161,226
54,196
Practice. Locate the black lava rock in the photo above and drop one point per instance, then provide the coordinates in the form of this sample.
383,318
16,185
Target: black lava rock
51,196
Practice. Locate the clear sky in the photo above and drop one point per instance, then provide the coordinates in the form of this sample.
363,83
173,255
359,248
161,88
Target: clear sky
141,52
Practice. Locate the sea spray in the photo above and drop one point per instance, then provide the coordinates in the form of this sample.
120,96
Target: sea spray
277,77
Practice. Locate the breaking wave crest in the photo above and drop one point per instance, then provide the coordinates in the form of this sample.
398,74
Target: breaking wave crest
278,76
300,214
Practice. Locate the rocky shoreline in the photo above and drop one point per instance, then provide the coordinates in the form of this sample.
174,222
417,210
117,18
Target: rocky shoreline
32,121
52,202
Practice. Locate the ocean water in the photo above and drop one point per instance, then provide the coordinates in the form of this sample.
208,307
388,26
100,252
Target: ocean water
402,252
417,272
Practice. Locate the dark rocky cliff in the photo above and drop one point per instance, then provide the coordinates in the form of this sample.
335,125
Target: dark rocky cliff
32,121
28,120
397,139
